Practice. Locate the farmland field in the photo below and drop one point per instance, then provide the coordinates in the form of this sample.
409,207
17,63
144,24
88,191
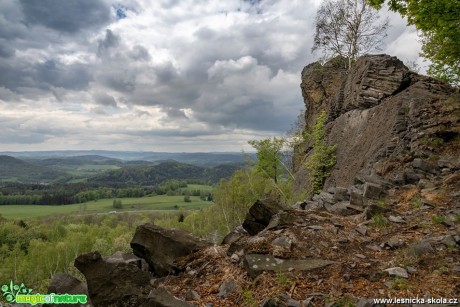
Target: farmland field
159,202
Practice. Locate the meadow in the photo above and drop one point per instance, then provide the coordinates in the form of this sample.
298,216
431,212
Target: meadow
103,206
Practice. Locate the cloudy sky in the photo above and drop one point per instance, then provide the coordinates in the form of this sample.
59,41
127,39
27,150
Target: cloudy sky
164,75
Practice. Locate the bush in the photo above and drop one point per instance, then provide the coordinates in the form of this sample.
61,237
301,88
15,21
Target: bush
117,204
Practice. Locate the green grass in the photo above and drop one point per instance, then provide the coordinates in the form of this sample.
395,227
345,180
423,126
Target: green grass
159,202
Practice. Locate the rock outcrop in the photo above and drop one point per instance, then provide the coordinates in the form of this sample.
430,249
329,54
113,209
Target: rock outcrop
378,110
161,247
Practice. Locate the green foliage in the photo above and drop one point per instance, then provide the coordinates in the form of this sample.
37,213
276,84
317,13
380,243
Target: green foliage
269,156
282,279
249,298
400,283
32,255
439,23
323,157
416,202
438,219
117,204
380,221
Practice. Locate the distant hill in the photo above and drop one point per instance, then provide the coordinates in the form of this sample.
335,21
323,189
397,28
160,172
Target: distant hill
76,161
152,175
13,169
198,158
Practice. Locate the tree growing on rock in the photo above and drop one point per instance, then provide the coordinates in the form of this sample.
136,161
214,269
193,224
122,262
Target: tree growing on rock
348,28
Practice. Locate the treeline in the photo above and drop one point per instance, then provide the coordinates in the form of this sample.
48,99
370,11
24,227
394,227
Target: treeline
175,187
62,194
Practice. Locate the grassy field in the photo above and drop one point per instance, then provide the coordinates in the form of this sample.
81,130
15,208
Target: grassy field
159,202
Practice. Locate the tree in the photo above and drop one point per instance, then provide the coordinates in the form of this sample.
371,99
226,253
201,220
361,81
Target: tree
348,28
439,22
117,204
269,156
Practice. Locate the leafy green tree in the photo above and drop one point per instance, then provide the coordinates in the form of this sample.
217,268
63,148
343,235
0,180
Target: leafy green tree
348,28
439,22
269,156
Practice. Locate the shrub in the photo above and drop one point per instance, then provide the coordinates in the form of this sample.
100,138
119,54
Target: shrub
323,157
117,204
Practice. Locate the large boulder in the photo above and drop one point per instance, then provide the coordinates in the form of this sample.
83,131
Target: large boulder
260,214
161,247
112,283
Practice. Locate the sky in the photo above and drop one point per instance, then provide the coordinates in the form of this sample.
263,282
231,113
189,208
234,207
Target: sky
164,75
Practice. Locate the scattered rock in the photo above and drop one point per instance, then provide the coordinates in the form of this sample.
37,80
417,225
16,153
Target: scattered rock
160,247
340,193
448,241
192,295
161,298
374,209
361,230
228,287
285,219
234,235
343,208
421,248
396,219
257,263
260,214
397,271
270,302
425,166
372,190
393,243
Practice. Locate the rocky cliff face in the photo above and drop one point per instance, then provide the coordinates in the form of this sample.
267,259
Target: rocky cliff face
387,224
378,111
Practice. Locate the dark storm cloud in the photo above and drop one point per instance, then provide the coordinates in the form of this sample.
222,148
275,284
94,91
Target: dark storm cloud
5,50
69,16
53,73
119,80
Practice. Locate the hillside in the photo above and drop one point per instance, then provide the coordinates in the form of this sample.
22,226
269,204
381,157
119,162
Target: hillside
13,169
152,175
386,224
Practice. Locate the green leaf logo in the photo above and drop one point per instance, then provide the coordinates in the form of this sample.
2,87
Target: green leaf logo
10,292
